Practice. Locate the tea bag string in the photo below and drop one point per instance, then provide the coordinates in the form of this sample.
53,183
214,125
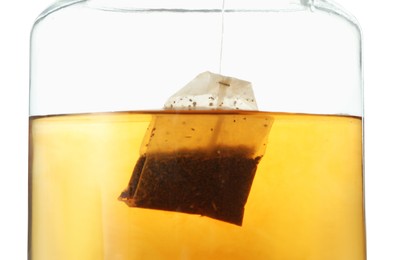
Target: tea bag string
223,84
222,35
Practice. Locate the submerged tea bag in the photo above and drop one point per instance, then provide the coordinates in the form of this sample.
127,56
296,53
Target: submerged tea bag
197,161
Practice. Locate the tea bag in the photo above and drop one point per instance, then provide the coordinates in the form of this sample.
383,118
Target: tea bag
213,91
197,161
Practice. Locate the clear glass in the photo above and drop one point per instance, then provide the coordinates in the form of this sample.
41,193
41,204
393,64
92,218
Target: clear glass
101,72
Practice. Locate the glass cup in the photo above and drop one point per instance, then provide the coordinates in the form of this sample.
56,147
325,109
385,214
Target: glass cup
113,174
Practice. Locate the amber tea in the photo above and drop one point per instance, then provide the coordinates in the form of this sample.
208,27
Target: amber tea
304,199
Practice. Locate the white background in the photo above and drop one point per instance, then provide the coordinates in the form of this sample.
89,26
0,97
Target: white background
377,20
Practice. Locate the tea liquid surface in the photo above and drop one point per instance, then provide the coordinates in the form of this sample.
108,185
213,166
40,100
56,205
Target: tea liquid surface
305,202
